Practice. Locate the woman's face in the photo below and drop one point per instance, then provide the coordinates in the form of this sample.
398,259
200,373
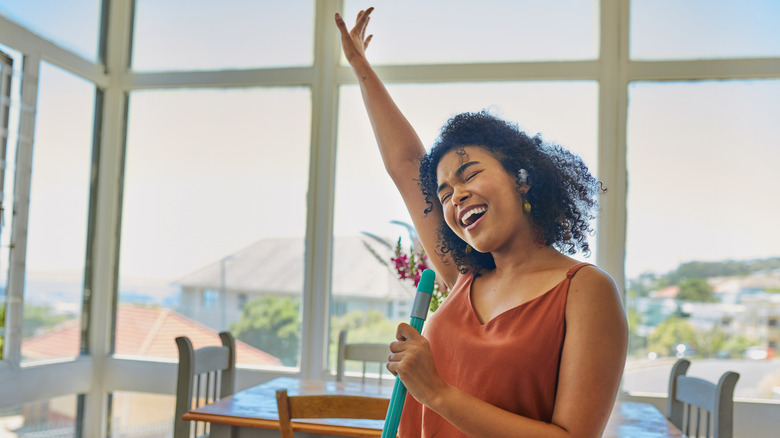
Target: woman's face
479,198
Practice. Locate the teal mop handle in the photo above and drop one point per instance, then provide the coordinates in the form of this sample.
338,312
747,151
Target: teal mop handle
422,301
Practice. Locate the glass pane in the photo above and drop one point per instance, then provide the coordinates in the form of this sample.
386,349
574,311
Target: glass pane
213,221
367,202
702,263
141,414
217,34
54,20
693,29
57,231
452,31
55,417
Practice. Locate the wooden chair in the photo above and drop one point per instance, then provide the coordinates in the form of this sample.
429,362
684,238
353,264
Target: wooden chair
717,400
363,352
327,406
205,375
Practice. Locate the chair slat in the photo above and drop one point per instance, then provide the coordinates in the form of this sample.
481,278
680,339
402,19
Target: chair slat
338,406
326,406
697,392
367,352
688,420
211,358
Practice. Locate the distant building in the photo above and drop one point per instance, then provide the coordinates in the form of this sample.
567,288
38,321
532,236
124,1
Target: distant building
362,279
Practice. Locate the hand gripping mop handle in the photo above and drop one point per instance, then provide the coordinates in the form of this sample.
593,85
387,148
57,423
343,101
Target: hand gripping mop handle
422,301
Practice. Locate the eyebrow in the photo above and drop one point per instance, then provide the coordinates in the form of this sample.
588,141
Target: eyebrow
458,173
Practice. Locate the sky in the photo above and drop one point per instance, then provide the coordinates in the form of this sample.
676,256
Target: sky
700,155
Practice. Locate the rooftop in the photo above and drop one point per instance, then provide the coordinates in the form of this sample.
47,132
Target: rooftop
135,338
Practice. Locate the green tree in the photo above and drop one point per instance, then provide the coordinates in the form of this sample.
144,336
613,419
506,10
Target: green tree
696,289
371,327
673,331
735,346
711,342
270,323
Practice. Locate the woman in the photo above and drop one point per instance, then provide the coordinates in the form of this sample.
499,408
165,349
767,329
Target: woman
530,342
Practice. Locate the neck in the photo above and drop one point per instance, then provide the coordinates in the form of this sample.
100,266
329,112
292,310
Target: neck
528,258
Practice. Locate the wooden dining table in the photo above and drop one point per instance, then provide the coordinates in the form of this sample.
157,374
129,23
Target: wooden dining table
252,413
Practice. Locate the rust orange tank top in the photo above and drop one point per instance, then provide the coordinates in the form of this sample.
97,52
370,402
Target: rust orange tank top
511,361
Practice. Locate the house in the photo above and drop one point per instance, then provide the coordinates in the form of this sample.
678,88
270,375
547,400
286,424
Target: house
363,279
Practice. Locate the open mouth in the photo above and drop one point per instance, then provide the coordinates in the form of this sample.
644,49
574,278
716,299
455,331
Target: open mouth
472,216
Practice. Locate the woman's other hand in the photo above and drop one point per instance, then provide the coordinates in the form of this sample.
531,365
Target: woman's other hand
354,42
411,359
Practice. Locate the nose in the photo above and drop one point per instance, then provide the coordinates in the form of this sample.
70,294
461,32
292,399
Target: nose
459,195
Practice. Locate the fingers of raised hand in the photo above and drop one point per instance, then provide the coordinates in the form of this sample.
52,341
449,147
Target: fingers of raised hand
362,22
363,17
341,25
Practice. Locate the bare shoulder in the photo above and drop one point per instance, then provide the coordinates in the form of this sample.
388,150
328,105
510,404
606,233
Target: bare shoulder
592,280
593,292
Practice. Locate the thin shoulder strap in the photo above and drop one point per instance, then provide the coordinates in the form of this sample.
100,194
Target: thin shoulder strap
573,270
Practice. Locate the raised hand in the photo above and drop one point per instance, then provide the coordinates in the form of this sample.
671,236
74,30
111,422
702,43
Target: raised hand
354,42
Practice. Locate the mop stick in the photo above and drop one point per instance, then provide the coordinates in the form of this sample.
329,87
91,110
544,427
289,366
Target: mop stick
422,301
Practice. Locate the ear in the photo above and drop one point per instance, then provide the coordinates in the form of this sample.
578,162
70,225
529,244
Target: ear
524,180
524,188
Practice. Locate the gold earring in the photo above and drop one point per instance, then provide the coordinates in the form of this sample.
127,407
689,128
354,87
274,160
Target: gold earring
468,249
526,206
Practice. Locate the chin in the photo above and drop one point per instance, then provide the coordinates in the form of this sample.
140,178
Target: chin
481,248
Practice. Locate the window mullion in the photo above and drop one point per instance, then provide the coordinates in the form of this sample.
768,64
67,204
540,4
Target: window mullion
21,207
613,101
319,221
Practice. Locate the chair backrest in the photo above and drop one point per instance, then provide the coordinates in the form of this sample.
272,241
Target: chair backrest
205,375
327,406
362,352
714,400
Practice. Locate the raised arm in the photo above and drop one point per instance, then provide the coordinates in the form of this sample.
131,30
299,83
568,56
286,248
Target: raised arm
399,145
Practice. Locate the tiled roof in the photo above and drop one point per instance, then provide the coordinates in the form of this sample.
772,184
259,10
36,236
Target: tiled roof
141,331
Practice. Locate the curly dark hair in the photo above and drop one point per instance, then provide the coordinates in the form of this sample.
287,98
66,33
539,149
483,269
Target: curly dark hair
562,193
